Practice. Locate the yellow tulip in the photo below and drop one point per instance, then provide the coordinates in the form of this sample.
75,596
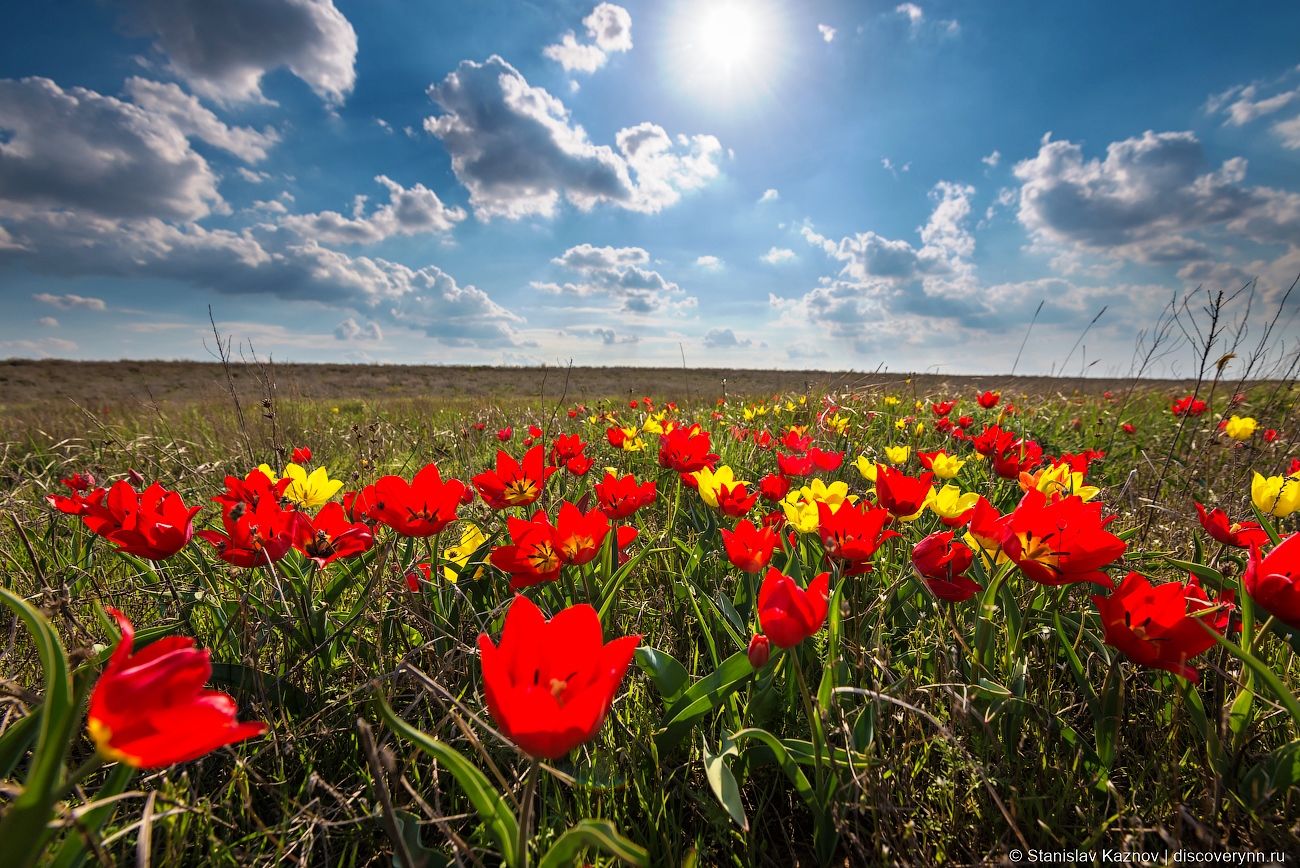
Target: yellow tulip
898,454
945,466
833,495
900,424
989,557
866,467
801,515
920,428
891,401
949,502
1239,428
457,557
711,482
1278,496
311,491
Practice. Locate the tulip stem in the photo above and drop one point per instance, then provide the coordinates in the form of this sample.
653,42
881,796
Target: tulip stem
814,721
526,813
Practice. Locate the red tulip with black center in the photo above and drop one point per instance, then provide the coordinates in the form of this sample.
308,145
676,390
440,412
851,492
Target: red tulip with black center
514,483
420,508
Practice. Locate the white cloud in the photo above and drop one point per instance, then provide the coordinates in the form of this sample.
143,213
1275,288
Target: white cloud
1289,132
408,212
827,32
723,338
515,150
709,263
1147,200
769,195
618,273
608,25
222,48
252,177
992,159
918,22
912,11
76,148
192,119
777,255
49,322
69,301
349,330
42,348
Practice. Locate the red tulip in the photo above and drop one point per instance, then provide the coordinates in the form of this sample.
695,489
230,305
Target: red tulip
1188,406
1274,581
330,536
154,524
787,613
942,408
989,400
534,557
686,450
760,651
988,441
1020,456
253,535
826,460
566,447
794,465
252,490
301,455
763,440
902,495
985,527
1241,534
580,536
794,441
942,562
150,709
619,498
965,421
1128,429
749,548
505,433
513,483
774,487
76,504
534,432
1062,542
421,508
1157,626
943,425
549,684
853,532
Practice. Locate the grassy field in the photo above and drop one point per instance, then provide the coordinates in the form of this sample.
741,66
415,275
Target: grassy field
928,733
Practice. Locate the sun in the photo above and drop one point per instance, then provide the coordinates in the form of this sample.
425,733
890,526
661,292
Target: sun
726,49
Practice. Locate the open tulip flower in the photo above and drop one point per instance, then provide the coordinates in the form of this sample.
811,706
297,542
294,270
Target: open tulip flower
534,555
620,497
795,441
722,491
826,460
952,506
989,400
330,536
852,533
1187,406
1274,581
1016,458
990,439
76,503
1240,534
253,536
749,548
310,491
774,487
420,508
942,408
1157,626
514,483
252,490
686,450
1062,542
455,559
154,524
904,496
942,562
150,709
1058,482
794,465
787,613
578,535
550,684
945,466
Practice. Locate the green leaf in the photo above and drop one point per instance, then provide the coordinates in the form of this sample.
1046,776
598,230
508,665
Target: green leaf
1269,677
1276,773
1267,524
600,835
15,741
785,761
23,827
702,697
490,805
611,588
73,852
668,676
1201,571
408,825
723,782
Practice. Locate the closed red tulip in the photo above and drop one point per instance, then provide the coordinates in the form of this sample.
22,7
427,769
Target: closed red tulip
150,709
774,487
942,562
794,465
749,548
787,613
1062,542
420,508
514,483
826,460
1157,626
301,455
154,524
795,441
989,400
902,495
550,684
759,651
853,532
1274,581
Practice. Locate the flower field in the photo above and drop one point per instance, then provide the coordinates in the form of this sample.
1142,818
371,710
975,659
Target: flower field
852,627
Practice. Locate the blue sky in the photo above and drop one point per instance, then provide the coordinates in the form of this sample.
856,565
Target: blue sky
756,184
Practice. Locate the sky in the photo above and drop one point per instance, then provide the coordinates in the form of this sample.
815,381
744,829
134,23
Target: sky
715,183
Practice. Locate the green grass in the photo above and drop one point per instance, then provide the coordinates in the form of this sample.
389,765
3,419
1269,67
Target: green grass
935,736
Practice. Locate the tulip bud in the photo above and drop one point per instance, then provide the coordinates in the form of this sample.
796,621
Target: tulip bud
135,476
760,651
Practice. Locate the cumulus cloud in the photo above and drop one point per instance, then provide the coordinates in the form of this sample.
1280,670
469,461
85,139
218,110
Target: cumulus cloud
769,195
76,148
1147,200
992,159
350,330
192,119
41,348
616,272
607,336
709,263
777,255
827,32
514,148
69,301
723,338
408,212
610,28
49,322
222,48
